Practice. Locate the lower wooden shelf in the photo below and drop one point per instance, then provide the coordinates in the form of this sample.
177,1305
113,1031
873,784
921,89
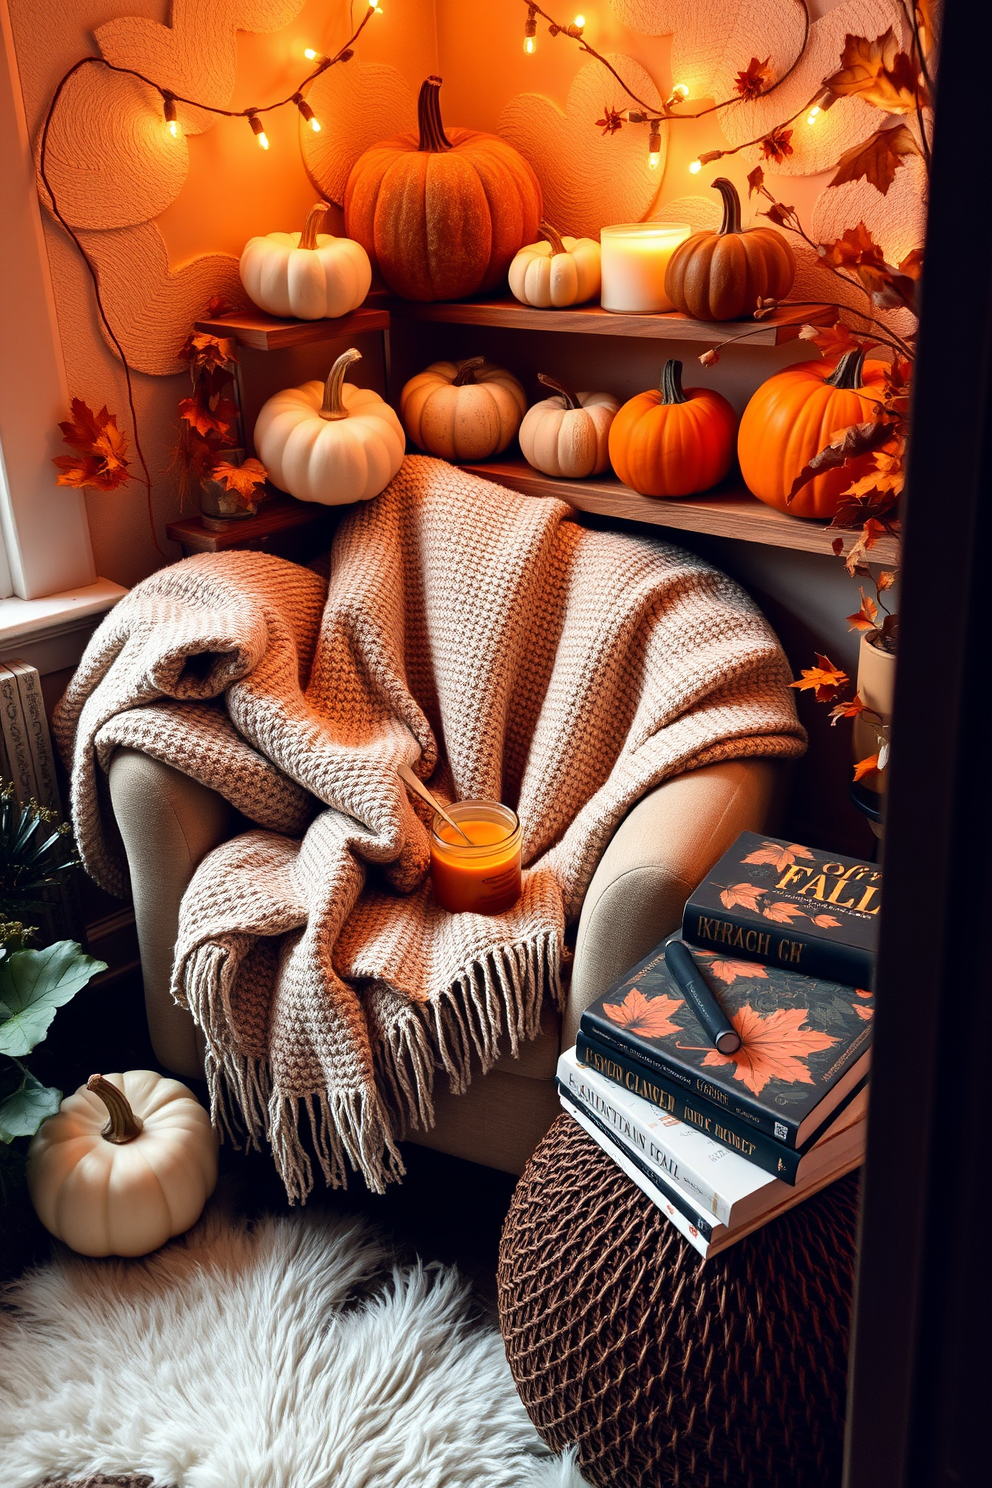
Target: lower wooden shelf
729,511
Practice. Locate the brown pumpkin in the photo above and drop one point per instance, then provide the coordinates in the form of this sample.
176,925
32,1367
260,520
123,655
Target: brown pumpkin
793,416
670,442
442,214
721,275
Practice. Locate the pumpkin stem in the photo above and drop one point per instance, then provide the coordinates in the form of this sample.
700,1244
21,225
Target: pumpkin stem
671,383
313,224
847,373
553,236
466,372
333,404
731,205
123,1125
432,136
571,401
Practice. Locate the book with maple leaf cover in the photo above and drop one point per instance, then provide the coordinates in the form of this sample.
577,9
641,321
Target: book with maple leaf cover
791,906
805,1044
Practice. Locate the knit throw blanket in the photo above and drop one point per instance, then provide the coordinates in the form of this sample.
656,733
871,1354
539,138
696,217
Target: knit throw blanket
500,649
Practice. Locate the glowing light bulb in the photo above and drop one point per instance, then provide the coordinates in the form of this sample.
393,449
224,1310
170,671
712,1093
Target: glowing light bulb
530,32
307,112
580,21
695,167
811,117
681,90
654,159
530,45
171,122
654,145
311,55
258,130
315,125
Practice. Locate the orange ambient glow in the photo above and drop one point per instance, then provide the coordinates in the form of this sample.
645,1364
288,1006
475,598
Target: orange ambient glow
483,878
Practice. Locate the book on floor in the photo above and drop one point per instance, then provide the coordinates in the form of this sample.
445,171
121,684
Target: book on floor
790,906
719,1185
805,1051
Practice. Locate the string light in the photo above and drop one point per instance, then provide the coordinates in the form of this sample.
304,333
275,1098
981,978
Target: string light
313,56
530,32
307,112
680,91
654,145
257,128
813,114
169,107
580,22
695,167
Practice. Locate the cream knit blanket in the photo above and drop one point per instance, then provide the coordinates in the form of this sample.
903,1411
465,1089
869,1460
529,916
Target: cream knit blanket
503,651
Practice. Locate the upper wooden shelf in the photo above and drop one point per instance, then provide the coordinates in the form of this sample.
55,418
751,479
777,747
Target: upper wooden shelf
595,321
266,333
729,511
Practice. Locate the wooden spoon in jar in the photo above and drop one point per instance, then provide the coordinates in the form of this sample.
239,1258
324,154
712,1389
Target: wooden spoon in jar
419,788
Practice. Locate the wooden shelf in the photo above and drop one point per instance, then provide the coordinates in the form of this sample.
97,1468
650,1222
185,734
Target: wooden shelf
283,526
593,320
730,511
265,333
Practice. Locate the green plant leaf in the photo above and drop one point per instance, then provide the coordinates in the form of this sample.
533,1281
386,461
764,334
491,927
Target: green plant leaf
33,985
24,1103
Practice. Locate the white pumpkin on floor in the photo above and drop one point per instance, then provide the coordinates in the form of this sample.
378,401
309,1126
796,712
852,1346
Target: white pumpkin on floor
126,1185
308,275
556,272
330,442
465,410
568,435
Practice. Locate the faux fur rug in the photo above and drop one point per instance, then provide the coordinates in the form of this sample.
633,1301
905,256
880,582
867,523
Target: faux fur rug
281,1355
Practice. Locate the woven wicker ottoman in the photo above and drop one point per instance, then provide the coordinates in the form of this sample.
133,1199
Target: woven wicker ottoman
666,1370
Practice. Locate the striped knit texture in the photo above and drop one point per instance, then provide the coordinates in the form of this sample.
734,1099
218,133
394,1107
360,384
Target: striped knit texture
503,651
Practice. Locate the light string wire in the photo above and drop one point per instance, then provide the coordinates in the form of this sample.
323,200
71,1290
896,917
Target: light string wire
167,95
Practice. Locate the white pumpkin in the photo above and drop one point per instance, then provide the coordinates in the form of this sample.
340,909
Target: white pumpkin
568,435
308,275
556,272
124,1186
328,441
462,410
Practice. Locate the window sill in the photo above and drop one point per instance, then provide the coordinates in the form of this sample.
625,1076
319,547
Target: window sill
53,625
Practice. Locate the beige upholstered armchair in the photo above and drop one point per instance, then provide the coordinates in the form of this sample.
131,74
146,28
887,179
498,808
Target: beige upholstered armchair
660,851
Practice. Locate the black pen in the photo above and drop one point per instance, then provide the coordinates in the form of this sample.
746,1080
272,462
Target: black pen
688,978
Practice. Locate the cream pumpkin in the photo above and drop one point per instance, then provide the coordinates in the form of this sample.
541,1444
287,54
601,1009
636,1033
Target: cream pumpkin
328,441
557,272
123,1186
568,435
462,410
308,275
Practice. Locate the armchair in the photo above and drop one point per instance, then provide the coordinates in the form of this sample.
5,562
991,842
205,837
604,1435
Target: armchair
663,847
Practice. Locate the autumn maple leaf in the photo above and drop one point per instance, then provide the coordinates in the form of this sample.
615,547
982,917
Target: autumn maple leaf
217,416
834,340
867,617
854,246
826,921
729,971
101,449
824,679
849,709
752,82
782,912
742,893
755,180
611,120
777,145
866,767
877,158
879,72
779,857
772,1048
648,1016
241,479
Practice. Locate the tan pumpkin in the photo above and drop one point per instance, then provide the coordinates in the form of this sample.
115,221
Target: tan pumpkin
673,442
123,1186
793,416
442,213
568,435
557,271
462,410
721,275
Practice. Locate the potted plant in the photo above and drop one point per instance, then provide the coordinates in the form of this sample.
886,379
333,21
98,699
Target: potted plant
210,454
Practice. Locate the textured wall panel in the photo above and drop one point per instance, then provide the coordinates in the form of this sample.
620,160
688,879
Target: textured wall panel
357,106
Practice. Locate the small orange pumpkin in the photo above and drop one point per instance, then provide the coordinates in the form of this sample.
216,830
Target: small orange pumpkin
793,416
721,275
442,214
670,442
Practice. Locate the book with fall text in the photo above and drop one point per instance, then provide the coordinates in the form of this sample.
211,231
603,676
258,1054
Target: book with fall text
805,1042
790,906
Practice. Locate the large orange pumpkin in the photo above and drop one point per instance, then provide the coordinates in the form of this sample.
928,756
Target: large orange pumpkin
672,442
793,416
721,275
442,214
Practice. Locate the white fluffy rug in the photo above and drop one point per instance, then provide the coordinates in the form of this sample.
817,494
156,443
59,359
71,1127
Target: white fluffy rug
284,1355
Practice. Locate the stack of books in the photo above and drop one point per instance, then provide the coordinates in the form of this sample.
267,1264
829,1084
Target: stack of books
784,939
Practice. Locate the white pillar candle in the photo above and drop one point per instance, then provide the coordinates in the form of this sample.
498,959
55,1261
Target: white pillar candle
634,260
